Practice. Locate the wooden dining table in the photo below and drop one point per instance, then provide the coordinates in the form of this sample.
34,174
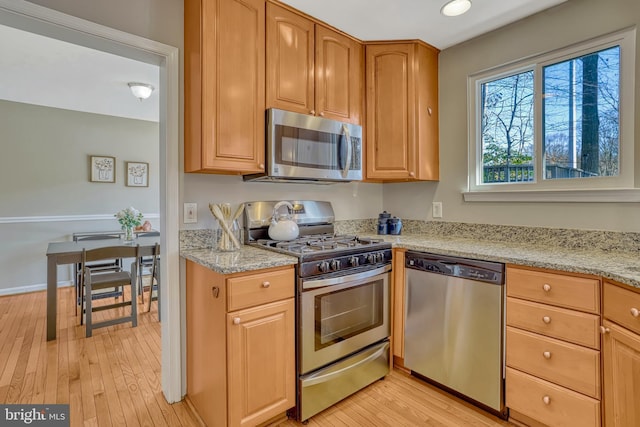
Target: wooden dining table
60,253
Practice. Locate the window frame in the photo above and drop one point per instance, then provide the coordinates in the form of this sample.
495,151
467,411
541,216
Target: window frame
625,180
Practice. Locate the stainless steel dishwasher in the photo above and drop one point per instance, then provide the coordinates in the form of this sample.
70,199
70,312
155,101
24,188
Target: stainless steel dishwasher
454,326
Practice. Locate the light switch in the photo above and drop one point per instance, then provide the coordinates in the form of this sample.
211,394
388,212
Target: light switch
437,209
190,213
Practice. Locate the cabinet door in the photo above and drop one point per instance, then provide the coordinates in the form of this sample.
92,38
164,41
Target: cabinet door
339,76
224,101
390,124
290,61
261,362
621,376
206,330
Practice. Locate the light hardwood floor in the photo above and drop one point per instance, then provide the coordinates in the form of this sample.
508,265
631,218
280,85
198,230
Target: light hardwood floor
113,378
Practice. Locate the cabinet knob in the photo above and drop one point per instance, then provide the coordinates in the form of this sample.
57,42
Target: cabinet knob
604,330
546,287
429,110
635,312
322,114
236,320
261,165
412,174
266,284
546,400
312,112
546,319
215,291
547,354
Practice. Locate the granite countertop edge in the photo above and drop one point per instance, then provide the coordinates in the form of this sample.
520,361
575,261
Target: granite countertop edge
247,259
620,266
623,267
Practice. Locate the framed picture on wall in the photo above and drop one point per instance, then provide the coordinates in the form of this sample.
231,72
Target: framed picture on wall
137,174
102,169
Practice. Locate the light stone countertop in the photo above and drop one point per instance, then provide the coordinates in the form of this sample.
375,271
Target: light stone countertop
621,266
248,258
569,253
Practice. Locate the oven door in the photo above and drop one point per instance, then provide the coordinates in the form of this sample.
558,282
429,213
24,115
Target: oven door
341,315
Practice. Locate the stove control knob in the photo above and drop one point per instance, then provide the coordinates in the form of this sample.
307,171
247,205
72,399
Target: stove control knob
323,267
371,258
380,256
354,261
335,265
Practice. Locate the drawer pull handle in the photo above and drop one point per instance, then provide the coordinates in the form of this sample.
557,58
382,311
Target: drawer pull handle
604,330
546,400
266,284
547,354
236,320
546,319
635,312
546,287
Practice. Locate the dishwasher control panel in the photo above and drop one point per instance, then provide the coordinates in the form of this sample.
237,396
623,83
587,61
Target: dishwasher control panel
484,271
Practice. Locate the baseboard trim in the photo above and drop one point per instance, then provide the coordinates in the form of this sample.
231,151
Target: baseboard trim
64,218
32,288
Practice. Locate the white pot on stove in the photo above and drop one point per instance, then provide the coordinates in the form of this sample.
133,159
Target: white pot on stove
283,227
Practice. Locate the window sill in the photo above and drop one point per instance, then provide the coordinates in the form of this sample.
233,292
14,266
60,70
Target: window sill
623,195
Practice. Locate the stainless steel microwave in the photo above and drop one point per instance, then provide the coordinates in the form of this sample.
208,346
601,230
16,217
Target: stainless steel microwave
303,148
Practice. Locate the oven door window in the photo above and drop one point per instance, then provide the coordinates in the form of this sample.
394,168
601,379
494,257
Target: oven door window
342,314
314,149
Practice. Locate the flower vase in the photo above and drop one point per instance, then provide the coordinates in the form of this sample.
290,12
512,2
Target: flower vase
128,235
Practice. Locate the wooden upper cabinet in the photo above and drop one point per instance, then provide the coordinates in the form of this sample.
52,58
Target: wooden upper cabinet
339,85
312,69
224,86
402,111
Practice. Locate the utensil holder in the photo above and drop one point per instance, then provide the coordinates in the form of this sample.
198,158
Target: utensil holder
221,240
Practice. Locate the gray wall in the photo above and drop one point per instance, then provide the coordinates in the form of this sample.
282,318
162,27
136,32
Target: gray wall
44,173
571,22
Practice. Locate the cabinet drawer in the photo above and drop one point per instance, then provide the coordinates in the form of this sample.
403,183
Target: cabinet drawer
568,365
578,293
622,306
548,403
256,289
569,325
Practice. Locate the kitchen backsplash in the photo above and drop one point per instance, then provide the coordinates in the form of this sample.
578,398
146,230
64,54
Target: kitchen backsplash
552,237
542,236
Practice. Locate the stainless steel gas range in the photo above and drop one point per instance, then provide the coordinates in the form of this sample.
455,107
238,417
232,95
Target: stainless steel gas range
342,298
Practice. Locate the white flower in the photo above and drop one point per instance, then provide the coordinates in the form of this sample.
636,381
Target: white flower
129,217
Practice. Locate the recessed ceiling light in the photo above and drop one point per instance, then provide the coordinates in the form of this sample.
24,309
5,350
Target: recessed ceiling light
455,7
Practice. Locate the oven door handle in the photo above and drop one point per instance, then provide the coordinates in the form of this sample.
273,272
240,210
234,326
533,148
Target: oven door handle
329,376
319,283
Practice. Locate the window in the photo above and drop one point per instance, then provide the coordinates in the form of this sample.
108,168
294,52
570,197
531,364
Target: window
562,120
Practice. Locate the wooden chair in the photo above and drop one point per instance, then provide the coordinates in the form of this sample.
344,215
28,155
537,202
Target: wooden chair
103,265
97,281
151,264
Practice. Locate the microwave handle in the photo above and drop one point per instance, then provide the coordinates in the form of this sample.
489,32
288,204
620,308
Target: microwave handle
347,136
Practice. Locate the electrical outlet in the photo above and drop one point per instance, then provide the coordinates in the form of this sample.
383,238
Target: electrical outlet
436,209
190,213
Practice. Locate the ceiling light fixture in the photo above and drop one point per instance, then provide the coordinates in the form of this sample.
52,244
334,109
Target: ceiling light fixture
141,90
455,7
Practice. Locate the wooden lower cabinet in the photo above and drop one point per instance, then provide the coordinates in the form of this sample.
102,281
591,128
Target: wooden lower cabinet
621,356
240,363
398,275
553,359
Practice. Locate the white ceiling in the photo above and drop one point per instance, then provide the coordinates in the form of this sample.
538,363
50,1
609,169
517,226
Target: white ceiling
44,71
418,19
